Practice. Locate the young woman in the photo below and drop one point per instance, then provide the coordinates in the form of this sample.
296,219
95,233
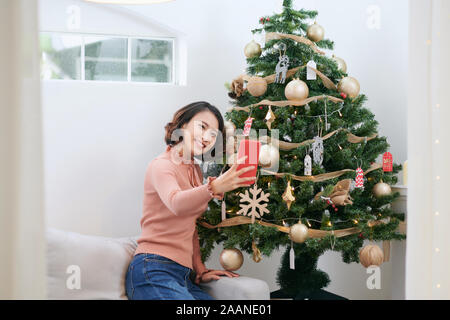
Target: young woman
167,263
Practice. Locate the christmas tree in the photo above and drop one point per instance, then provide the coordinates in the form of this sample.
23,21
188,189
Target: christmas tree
319,186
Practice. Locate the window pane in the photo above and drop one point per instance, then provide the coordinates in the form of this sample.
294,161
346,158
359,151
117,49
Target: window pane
106,58
151,60
60,56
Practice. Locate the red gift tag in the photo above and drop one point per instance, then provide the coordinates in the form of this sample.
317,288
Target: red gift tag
359,178
387,162
247,126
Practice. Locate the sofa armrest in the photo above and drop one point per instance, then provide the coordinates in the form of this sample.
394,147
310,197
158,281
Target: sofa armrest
237,288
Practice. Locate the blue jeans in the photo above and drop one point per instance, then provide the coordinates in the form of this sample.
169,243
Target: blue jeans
154,277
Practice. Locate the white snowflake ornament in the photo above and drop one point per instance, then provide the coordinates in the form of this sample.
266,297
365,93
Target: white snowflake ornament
254,207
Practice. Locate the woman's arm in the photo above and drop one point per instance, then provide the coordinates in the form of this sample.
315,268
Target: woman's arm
197,263
163,177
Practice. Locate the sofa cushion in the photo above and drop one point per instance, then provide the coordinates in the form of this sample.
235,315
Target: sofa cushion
237,288
87,267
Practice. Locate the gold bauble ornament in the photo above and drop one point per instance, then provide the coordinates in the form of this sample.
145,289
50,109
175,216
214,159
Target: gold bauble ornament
252,49
315,32
371,255
298,232
269,155
257,86
342,66
381,189
231,259
287,196
349,86
296,89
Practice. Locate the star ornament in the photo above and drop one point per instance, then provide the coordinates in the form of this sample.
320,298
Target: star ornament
255,207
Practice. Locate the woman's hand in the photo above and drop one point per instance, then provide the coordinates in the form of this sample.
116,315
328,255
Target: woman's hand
214,275
230,179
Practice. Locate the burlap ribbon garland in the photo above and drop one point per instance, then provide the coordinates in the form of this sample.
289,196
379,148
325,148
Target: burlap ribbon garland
276,36
286,146
321,177
237,85
285,103
312,233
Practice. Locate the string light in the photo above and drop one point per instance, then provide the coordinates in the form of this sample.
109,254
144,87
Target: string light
437,249
340,148
355,221
437,141
329,223
437,213
268,184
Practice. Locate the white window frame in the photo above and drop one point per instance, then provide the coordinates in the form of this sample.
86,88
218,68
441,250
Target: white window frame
129,38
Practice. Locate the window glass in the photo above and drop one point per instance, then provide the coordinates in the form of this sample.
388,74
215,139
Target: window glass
151,60
60,56
106,58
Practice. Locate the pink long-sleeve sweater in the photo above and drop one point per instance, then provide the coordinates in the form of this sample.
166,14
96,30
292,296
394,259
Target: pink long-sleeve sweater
174,197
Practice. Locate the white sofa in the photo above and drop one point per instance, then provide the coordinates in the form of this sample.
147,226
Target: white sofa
93,267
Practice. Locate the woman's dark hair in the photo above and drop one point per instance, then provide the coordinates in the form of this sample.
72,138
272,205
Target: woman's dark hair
184,115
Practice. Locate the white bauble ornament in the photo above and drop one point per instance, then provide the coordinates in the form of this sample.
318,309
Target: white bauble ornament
268,155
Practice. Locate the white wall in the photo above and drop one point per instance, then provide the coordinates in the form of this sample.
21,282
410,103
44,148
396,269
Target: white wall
99,137
22,222
428,251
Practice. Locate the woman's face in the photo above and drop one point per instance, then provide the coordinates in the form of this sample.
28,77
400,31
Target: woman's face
200,134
